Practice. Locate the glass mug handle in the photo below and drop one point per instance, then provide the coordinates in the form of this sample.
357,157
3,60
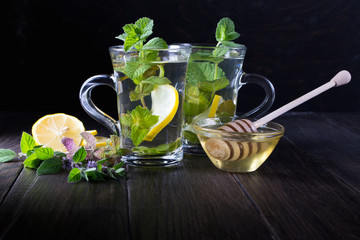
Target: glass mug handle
260,110
89,106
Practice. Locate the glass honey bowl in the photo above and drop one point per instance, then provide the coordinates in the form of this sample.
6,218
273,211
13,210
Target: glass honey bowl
237,151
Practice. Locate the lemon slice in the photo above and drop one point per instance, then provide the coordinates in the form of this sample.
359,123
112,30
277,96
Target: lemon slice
100,140
50,129
211,111
214,105
165,102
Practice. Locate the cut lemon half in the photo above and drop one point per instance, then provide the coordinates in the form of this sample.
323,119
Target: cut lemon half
165,102
50,129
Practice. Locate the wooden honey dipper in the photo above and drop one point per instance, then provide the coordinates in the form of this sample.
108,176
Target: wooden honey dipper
235,150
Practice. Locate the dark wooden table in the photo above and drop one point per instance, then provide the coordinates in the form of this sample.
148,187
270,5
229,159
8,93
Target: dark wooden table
309,188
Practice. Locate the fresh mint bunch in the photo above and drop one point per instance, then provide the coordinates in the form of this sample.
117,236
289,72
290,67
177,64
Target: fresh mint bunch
84,162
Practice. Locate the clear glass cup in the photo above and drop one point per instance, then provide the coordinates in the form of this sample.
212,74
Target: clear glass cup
213,80
150,88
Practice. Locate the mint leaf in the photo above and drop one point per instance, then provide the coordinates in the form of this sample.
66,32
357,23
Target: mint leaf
156,43
44,153
94,174
74,175
32,161
213,86
225,30
135,34
134,70
230,44
226,109
27,142
49,166
141,90
145,87
140,120
203,71
155,80
80,155
6,155
145,26
138,133
130,42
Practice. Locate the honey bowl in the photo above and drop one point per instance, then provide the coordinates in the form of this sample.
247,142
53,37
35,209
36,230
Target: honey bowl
237,151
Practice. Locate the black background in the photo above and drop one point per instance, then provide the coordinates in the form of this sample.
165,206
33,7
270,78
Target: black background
52,47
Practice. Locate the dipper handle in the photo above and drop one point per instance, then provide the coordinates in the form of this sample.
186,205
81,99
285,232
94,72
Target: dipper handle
341,78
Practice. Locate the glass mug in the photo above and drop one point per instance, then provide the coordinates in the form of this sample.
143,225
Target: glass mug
150,88
213,80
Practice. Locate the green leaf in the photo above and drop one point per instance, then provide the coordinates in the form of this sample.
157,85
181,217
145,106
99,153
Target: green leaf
49,166
161,149
226,109
138,133
191,137
44,153
155,80
135,34
225,30
141,90
74,175
27,142
32,161
141,120
145,87
7,155
59,154
203,71
130,42
145,26
156,43
80,155
219,51
134,70
122,37
119,165
214,86
230,44
94,174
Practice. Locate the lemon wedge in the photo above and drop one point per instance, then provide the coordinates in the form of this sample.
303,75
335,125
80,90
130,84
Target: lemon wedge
50,129
214,105
211,111
165,102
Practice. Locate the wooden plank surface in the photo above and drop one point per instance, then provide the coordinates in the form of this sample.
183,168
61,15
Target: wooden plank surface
47,207
333,139
191,201
302,191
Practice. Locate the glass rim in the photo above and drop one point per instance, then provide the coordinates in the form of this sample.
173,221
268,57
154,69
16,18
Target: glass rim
211,46
170,47
202,129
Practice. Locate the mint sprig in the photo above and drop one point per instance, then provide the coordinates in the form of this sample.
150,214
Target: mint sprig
139,120
225,33
145,73
204,75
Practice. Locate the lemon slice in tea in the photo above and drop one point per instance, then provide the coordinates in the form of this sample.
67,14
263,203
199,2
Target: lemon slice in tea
165,102
50,129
